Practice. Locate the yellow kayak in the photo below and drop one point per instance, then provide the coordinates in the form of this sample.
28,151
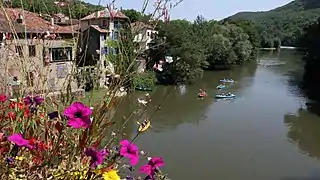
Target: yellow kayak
144,126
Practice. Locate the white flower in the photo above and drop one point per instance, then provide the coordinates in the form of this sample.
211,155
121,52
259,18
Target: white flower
91,108
169,59
113,133
142,153
143,102
91,119
149,158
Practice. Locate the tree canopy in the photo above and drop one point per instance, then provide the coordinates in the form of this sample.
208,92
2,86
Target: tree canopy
204,44
75,9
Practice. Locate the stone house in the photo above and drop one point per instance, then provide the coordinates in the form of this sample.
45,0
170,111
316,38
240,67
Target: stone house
34,52
97,30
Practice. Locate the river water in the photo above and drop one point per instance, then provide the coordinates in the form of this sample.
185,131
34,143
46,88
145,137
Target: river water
265,133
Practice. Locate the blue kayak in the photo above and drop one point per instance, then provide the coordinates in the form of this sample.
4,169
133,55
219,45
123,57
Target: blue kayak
221,86
225,96
227,80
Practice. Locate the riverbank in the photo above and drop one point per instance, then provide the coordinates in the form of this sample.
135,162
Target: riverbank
281,47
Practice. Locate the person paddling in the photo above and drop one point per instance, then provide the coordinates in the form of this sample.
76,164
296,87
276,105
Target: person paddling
202,93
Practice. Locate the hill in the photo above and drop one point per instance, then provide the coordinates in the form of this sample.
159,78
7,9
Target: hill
285,23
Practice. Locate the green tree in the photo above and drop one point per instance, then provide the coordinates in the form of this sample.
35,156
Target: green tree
133,15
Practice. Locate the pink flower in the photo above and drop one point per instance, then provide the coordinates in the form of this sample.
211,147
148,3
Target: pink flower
3,98
97,157
129,151
18,140
152,166
78,115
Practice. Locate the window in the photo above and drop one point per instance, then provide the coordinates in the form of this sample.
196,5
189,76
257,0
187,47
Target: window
103,37
116,24
19,50
105,23
105,50
116,35
62,71
61,54
153,35
32,51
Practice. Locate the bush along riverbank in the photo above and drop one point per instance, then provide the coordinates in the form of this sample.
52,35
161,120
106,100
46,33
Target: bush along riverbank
200,45
309,43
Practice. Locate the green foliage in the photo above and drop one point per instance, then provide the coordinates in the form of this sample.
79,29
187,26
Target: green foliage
75,9
146,80
311,42
202,44
285,23
133,15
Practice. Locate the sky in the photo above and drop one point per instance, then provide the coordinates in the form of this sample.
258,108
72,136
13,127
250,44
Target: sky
210,9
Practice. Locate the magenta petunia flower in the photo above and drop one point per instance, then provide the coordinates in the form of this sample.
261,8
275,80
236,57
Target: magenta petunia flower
3,98
78,115
130,151
18,140
97,157
37,100
152,165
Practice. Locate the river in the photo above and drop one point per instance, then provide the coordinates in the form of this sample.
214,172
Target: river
265,133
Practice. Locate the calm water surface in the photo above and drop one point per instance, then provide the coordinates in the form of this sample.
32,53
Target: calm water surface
265,133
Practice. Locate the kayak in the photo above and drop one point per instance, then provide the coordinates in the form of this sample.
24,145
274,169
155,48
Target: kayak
144,126
227,80
221,86
201,95
223,99
225,96
143,88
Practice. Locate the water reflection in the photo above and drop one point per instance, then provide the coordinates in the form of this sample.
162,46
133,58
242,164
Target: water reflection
303,130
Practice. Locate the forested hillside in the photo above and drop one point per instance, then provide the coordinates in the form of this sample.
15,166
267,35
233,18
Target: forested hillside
73,8
285,23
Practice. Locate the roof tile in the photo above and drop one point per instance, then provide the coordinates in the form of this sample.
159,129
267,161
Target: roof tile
33,23
105,14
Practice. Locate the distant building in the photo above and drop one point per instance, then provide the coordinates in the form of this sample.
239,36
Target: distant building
97,31
144,35
63,20
33,51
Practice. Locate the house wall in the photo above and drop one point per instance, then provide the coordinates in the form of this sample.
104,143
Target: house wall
144,37
47,75
90,45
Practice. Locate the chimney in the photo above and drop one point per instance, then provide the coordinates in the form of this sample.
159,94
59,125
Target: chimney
52,21
20,18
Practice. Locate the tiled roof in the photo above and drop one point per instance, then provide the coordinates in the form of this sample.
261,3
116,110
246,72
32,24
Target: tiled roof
68,22
96,27
105,14
69,29
140,25
33,23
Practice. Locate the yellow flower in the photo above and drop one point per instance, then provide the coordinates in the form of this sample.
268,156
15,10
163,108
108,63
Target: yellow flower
111,175
19,158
